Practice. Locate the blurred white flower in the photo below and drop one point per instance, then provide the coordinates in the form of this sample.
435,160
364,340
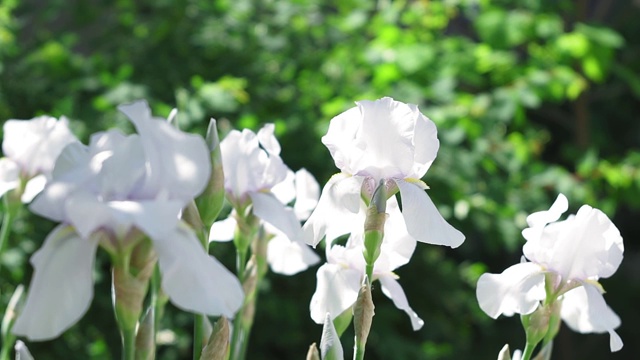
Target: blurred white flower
383,140
30,148
566,260
285,256
109,194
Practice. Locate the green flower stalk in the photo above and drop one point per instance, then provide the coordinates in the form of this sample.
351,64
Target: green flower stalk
255,270
7,322
131,275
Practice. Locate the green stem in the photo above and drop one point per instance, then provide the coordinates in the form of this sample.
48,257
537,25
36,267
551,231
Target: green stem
528,351
250,273
7,345
198,320
154,302
358,352
198,324
128,343
7,220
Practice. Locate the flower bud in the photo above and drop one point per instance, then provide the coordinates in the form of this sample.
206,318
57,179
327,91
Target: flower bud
363,311
330,346
504,353
211,200
536,324
22,352
218,346
313,353
145,339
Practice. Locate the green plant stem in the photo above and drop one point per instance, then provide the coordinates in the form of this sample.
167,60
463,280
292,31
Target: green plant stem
128,343
528,351
358,352
250,273
7,345
7,220
198,320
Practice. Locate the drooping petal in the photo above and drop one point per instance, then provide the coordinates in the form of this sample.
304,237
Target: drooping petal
336,290
518,289
424,222
51,201
285,191
194,280
123,171
62,286
307,194
585,311
155,218
337,208
223,230
9,175
33,188
288,257
398,246
269,209
392,289
179,162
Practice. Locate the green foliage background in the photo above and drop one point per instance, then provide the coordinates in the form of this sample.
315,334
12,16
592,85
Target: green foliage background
531,98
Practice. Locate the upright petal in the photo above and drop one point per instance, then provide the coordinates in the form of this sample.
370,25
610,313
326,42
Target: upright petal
425,140
193,280
62,286
178,162
585,311
340,140
392,289
424,222
386,139
268,140
518,289
545,217
336,291
587,245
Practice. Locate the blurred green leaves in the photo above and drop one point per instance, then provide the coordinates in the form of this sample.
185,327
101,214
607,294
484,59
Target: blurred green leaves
530,98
